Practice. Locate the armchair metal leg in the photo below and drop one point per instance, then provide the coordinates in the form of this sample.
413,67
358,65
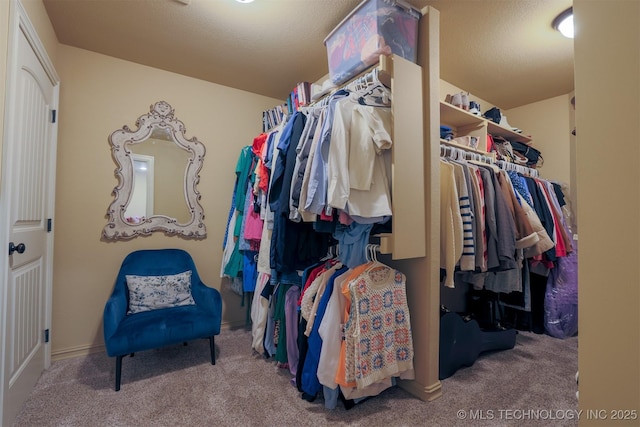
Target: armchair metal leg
118,371
213,349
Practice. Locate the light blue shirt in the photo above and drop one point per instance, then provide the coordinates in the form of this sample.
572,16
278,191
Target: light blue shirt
317,188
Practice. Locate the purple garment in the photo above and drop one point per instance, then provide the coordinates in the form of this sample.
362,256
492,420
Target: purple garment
561,298
291,321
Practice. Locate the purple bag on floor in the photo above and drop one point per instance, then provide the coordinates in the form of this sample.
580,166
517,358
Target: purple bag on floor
561,297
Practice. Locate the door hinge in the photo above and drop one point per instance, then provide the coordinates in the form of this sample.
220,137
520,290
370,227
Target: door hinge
49,225
46,336
53,116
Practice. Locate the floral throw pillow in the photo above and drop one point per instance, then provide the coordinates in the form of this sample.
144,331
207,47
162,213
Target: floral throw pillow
153,292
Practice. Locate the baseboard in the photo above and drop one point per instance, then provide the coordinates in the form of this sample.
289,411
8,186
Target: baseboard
84,350
422,392
81,350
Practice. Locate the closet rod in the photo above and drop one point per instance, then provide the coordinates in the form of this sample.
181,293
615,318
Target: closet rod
457,152
380,72
518,168
453,144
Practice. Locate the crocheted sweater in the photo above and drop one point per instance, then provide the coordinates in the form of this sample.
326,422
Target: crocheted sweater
378,333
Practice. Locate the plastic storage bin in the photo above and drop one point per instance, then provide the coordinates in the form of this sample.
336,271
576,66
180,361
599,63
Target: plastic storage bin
373,28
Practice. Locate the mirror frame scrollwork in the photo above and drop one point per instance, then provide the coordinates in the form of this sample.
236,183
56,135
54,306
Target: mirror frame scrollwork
160,117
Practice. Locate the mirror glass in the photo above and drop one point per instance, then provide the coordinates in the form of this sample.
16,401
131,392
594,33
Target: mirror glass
165,165
158,174
141,204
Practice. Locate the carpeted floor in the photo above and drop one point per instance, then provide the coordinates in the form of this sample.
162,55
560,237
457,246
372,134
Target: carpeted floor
532,384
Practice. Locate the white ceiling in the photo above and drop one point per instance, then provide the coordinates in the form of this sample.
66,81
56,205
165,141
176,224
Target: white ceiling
503,51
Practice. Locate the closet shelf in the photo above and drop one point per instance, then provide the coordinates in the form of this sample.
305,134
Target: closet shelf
450,114
453,116
496,129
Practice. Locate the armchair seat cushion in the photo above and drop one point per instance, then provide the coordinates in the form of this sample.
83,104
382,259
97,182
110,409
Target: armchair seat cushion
157,328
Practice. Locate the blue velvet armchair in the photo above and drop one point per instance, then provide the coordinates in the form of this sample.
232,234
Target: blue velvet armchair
130,333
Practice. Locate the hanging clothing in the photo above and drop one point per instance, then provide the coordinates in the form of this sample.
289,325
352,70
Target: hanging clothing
259,312
467,257
322,177
317,190
379,326
451,242
294,245
310,381
359,158
303,150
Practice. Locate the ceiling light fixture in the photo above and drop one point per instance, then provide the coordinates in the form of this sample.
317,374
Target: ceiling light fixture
244,1
564,23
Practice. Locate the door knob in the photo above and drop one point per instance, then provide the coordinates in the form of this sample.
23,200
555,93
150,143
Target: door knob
20,248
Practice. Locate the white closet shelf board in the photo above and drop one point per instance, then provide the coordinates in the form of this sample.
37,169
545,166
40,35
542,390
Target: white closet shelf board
408,160
456,117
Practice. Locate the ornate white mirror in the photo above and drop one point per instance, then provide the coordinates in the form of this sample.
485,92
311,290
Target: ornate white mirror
158,172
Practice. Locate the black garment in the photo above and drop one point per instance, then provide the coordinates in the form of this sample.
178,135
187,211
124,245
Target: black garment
538,290
559,194
303,348
329,227
543,212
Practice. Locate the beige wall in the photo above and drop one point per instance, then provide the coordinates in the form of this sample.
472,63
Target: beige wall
447,88
98,95
549,124
607,70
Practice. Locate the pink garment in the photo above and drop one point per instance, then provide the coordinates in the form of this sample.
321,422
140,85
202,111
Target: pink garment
344,218
252,222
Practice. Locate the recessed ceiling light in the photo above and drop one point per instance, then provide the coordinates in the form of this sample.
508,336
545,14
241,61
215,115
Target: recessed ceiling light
564,23
244,1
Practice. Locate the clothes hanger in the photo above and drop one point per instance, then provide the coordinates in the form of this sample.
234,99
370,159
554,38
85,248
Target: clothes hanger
372,255
370,90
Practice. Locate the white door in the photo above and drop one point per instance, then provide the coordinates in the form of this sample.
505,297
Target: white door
27,192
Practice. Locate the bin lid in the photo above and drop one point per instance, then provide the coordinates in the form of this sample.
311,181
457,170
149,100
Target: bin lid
416,13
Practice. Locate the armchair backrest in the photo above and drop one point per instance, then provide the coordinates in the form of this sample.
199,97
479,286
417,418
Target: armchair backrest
155,262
